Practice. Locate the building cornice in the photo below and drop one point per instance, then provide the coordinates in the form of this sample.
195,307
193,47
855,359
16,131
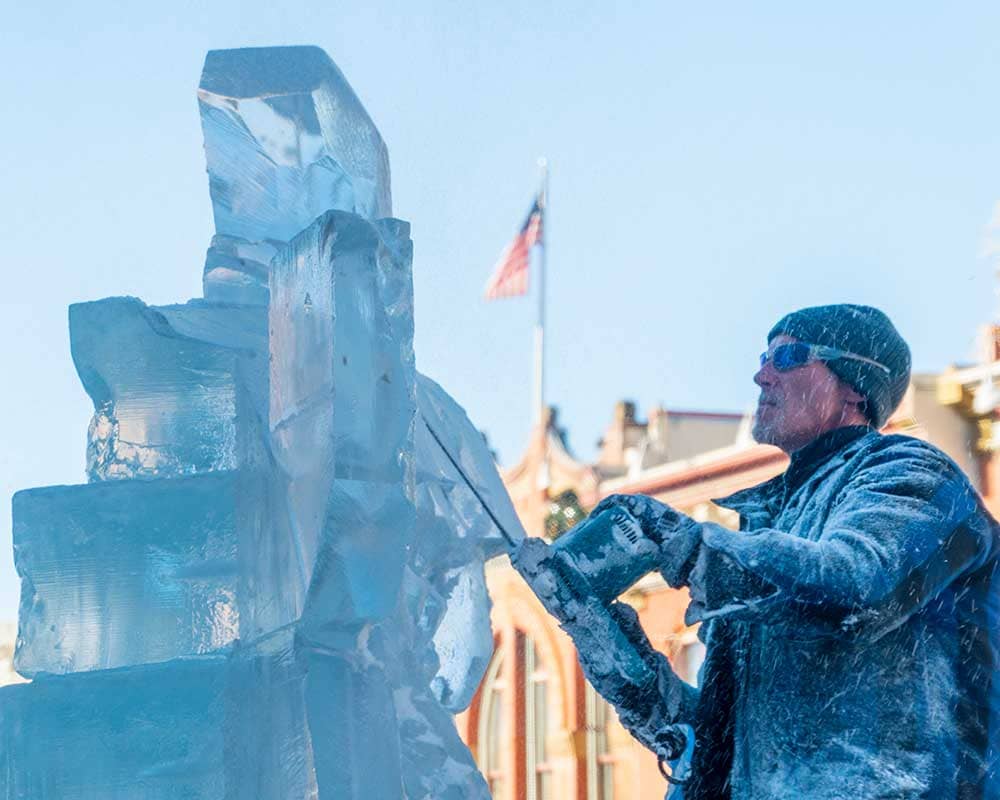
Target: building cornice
703,468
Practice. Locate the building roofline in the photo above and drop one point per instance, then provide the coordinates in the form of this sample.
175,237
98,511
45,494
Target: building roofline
720,415
714,464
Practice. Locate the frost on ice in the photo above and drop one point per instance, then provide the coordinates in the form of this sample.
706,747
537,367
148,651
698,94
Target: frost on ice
272,586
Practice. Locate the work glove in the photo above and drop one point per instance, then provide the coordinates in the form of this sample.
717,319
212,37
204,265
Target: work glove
677,535
613,651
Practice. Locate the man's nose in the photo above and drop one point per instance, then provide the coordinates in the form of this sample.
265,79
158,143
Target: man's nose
765,375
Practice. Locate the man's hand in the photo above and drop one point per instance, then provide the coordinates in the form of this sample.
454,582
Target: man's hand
652,515
677,535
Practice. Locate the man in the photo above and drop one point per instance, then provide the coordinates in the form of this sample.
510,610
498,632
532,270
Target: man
851,623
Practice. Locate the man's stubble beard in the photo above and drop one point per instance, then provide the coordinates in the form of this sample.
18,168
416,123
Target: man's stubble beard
760,432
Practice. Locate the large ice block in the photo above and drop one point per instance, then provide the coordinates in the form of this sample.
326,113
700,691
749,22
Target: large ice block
341,411
310,723
436,763
456,536
124,573
341,365
171,387
341,416
270,722
330,573
143,733
357,725
286,139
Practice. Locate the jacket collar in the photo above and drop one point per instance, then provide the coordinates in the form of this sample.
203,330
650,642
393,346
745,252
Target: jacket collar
810,459
813,462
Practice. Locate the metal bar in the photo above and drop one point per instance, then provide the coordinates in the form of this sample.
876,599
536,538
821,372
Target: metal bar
543,202
510,540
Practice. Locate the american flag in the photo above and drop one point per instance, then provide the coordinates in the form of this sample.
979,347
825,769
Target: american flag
510,276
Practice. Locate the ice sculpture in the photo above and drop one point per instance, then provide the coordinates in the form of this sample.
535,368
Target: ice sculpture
286,139
272,586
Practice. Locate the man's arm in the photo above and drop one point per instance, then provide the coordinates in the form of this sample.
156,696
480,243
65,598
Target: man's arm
613,650
649,713
904,527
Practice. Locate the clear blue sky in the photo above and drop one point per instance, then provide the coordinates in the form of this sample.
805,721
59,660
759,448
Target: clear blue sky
711,169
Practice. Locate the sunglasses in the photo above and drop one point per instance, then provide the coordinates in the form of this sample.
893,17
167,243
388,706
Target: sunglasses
797,354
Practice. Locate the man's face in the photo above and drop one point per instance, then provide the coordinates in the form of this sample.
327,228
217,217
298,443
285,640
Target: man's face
802,403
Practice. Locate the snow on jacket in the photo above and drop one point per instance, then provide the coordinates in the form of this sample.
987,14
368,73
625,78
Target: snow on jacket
854,652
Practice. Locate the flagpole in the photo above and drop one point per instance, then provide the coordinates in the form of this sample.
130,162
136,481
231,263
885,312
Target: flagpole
543,199
544,478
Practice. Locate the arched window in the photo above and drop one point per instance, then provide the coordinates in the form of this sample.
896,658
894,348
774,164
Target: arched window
492,751
600,765
538,777
514,723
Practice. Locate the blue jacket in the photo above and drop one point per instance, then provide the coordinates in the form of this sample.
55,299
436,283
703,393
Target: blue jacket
851,628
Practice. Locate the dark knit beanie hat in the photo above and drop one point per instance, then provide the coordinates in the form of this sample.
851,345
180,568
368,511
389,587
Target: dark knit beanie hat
864,331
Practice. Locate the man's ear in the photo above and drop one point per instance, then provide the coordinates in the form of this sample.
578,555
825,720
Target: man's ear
854,396
856,399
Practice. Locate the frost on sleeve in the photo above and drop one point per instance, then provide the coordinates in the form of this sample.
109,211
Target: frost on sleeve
904,526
